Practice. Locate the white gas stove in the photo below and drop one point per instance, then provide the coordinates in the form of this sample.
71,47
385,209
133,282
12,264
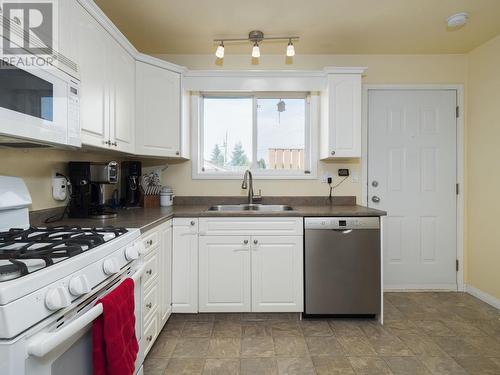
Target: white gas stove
50,279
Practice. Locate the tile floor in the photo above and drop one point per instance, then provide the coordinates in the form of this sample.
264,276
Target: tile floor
424,333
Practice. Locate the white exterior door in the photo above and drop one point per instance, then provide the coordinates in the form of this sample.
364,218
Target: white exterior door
277,281
224,273
412,163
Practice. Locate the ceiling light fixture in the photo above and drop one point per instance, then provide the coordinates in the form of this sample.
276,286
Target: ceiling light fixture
290,49
256,37
457,20
256,50
220,50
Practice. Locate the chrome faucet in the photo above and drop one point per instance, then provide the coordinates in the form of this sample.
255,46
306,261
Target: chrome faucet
248,184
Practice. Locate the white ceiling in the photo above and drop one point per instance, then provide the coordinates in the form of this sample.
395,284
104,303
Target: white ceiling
324,26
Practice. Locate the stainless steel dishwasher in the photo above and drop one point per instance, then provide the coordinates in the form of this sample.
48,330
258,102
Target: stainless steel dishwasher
342,266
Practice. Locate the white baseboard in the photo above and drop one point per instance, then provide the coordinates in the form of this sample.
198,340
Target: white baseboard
420,288
485,297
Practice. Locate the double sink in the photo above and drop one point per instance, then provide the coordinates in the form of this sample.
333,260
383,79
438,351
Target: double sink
250,207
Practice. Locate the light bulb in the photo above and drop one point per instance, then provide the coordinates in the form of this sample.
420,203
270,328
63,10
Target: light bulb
290,49
220,51
256,51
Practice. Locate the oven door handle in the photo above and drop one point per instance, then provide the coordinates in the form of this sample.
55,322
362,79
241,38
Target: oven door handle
43,343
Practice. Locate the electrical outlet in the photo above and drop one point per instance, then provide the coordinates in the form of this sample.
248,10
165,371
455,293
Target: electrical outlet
343,172
59,188
325,177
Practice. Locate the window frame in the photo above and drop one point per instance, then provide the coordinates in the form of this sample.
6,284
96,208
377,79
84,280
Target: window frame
310,149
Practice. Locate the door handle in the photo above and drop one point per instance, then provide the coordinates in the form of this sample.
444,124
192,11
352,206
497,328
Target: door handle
375,199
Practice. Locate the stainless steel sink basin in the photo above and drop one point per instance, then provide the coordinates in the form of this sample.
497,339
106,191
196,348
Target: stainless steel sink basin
251,207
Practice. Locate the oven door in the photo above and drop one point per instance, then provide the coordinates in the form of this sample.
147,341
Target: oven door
34,104
68,349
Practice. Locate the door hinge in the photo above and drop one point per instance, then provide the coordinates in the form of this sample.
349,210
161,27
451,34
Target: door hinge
457,265
457,189
457,109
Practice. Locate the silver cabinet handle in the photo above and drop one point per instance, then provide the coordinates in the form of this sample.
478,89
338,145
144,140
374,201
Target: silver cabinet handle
375,199
245,242
255,242
149,272
149,305
193,222
332,153
149,338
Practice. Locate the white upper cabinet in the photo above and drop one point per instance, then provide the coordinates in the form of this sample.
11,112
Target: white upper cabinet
158,111
107,74
67,44
341,115
93,42
122,98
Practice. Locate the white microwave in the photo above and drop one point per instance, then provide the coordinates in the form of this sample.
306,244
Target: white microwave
38,106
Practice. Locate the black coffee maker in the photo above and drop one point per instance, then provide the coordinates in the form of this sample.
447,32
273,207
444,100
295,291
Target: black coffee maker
131,172
87,188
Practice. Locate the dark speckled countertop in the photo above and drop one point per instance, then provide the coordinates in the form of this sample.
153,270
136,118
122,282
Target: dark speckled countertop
147,218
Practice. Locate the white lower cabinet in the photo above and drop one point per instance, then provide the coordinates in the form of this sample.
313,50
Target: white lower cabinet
156,282
277,266
165,274
243,273
224,283
185,265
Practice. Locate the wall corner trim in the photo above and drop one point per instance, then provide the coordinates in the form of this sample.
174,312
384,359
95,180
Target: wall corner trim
483,296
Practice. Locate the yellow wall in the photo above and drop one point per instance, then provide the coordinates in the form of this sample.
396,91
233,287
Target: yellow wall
382,69
36,166
483,204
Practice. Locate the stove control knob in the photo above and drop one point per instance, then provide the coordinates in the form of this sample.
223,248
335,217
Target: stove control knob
131,253
141,249
57,298
79,285
110,266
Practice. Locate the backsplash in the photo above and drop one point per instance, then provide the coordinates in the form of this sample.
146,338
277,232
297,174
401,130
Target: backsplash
37,166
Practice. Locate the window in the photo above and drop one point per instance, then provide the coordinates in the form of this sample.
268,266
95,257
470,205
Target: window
266,133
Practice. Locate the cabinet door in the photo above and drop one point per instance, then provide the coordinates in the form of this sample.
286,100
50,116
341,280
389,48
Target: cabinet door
185,266
67,43
121,68
158,111
165,272
224,274
343,117
277,269
93,42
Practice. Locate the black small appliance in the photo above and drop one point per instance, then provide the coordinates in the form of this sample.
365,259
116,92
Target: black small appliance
131,172
87,188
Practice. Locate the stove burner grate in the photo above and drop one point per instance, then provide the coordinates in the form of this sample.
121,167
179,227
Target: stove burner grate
47,245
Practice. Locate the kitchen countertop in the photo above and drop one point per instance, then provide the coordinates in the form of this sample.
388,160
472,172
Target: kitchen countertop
147,218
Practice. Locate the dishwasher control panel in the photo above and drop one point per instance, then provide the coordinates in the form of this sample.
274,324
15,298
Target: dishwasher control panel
341,223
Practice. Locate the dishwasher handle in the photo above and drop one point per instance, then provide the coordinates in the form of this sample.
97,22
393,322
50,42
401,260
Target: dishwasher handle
343,231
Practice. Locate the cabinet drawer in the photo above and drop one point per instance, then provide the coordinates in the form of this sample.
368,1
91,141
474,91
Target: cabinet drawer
150,333
150,302
150,240
227,226
151,263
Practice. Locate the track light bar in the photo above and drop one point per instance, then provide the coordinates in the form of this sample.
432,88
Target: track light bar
256,36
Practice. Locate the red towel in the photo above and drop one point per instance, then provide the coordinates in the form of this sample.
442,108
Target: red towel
114,343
